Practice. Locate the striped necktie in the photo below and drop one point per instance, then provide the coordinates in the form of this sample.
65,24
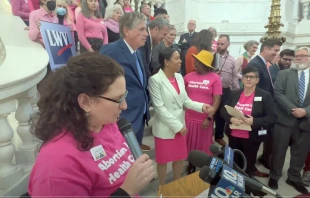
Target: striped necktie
301,88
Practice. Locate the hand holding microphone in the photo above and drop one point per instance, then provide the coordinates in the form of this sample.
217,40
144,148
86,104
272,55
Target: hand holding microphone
141,172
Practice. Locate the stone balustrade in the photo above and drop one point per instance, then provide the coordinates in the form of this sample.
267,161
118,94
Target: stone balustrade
305,10
22,66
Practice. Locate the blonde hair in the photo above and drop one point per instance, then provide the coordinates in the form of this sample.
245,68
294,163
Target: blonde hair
67,16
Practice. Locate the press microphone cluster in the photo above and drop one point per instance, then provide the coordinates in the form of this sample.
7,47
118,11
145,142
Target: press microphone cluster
228,182
125,128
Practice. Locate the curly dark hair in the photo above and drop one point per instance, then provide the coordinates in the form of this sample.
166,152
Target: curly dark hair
90,73
203,40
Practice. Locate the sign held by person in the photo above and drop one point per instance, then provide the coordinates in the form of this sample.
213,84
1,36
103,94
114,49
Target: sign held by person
59,43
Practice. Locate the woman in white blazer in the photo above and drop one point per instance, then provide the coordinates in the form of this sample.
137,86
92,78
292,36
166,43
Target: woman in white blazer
169,100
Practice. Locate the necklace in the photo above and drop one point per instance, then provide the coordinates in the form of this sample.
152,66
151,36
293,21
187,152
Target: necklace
172,80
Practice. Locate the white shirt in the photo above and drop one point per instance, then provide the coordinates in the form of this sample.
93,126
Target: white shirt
129,47
306,80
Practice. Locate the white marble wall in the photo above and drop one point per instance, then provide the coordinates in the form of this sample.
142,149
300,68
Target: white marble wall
243,20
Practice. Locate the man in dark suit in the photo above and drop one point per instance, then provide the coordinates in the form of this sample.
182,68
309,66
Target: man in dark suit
185,43
125,51
285,60
292,128
157,30
269,49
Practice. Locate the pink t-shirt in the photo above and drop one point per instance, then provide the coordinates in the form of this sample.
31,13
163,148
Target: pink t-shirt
61,169
128,9
90,28
214,45
201,88
244,104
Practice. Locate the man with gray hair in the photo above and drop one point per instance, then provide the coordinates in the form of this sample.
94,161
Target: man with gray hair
157,29
292,128
133,33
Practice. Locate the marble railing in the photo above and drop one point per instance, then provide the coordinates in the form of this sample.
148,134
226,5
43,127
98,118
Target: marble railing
136,4
22,66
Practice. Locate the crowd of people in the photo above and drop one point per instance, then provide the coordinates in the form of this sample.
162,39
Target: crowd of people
130,61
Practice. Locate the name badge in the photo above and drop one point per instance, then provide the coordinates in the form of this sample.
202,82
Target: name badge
98,152
262,132
258,98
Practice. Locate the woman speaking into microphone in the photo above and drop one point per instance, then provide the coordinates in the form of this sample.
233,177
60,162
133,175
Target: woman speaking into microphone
83,152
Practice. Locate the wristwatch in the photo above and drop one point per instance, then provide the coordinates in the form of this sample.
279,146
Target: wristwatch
210,119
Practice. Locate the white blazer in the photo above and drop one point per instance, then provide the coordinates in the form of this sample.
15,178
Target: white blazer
169,105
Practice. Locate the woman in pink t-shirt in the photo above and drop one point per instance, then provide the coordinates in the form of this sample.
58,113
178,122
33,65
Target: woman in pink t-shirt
257,106
202,85
83,153
90,27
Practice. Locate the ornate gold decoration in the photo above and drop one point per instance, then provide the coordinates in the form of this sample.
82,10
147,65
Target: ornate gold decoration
274,23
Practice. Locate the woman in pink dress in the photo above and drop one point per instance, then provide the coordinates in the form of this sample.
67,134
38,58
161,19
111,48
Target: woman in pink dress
169,98
202,85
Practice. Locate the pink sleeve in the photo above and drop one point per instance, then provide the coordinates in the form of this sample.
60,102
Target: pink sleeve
217,86
80,29
34,31
105,35
16,9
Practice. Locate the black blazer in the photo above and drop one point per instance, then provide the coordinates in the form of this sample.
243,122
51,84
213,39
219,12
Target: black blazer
263,113
264,78
112,36
146,53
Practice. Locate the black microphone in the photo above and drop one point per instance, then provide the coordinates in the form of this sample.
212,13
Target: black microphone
219,152
200,159
125,128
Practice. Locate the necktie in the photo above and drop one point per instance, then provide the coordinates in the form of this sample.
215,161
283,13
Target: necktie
301,88
138,68
140,73
269,75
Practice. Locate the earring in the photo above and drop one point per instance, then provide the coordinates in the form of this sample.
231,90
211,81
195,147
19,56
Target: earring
86,114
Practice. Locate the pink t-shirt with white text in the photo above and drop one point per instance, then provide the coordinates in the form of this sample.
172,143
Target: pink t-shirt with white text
201,88
245,105
61,169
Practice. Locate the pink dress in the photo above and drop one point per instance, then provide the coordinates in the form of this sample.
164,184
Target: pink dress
200,88
62,170
169,150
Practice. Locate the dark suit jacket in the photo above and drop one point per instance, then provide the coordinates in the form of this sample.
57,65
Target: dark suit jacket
155,54
137,92
146,52
187,44
264,78
262,113
274,70
286,95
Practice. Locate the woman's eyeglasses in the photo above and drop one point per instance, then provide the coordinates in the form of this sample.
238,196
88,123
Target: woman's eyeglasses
115,101
249,77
